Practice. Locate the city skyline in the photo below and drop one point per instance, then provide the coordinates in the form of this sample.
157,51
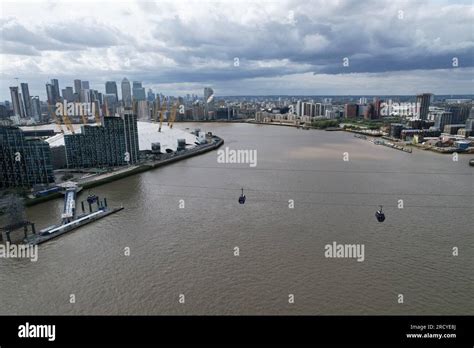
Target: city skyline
238,48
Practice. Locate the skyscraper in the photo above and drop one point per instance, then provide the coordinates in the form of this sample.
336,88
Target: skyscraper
77,86
139,93
85,96
423,105
55,84
68,94
126,93
111,88
85,85
50,93
26,99
35,108
110,103
150,95
442,119
15,101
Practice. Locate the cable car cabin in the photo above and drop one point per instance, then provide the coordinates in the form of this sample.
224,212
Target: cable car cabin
242,197
379,214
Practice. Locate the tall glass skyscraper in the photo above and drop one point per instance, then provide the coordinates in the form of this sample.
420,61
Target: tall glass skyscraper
126,93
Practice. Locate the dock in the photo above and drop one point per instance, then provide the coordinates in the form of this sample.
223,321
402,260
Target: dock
69,221
58,230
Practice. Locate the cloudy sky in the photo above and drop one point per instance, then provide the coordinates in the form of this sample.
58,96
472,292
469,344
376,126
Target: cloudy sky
241,47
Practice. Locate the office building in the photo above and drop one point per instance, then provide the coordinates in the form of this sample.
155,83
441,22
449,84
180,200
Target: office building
111,88
110,104
15,101
460,112
55,84
150,95
126,93
77,86
423,105
35,109
25,93
68,94
139,93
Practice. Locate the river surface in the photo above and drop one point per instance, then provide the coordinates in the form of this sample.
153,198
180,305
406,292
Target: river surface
191,250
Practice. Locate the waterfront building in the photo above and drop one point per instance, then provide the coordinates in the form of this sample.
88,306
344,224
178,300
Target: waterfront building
442,119
460,112
453,129
24,162
396,130
423,105
114,143
350,110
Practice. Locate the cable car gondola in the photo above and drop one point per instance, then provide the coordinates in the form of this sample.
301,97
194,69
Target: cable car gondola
379,214
242,197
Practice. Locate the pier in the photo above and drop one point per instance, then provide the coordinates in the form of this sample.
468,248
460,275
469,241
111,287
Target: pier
69,222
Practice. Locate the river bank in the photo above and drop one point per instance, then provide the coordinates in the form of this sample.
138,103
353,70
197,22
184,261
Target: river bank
120,173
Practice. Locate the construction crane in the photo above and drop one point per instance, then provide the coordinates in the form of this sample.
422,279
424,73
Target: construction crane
83,117
163,109
172,115
156,111
56,119
67,121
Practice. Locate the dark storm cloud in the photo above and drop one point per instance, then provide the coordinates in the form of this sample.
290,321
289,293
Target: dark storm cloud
374,40
17,39
196,42
84,34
